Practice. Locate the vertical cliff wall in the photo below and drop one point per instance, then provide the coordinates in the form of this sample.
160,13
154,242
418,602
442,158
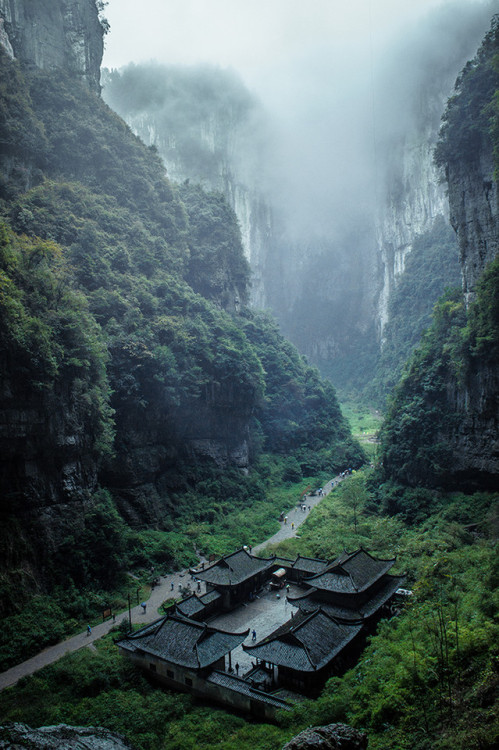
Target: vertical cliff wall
469,151
54,34
208,129
414,198
443,429
474,214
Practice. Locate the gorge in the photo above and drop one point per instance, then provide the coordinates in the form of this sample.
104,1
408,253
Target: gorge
152,413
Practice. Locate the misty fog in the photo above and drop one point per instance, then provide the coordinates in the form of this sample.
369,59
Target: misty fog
321,106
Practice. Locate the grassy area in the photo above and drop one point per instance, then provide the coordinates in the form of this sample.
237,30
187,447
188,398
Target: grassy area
364,421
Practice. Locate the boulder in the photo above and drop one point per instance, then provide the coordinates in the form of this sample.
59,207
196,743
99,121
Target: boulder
60,737
329,737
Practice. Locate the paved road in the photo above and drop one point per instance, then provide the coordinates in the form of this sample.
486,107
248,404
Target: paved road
296,517
168,586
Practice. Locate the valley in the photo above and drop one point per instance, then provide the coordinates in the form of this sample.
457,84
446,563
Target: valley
216,299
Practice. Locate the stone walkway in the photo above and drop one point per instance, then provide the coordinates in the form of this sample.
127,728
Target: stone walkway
159,594
266,613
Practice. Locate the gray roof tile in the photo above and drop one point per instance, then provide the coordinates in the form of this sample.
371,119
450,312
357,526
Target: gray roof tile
179,640
354,574
233,569
309,603
305,643
240,685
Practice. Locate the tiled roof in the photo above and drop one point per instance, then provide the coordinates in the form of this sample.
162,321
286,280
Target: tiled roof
282,562
190,606
309,564
308,603
305,564
242,686
233,569
209,597
305,643
178,640
195,604
355,573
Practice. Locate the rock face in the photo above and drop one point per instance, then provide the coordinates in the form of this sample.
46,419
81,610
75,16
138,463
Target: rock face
60,737
474,208
475,441
48,471
407,212
474,214
54,34
151,444
329,737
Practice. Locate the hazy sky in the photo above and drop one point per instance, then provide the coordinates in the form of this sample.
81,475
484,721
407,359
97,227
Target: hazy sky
324,69
253,37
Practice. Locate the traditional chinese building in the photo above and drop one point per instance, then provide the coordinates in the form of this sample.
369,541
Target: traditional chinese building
340,604
177,649
235,577
306,650
191,657
199,608
353,588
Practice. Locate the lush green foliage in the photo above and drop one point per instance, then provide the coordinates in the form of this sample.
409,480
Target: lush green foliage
428,678
415,448
300,415
419,413
483,316
217,266
114,286
431,266
470,119
47,335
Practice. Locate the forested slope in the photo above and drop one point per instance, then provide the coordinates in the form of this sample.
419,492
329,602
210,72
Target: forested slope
133,375
442,427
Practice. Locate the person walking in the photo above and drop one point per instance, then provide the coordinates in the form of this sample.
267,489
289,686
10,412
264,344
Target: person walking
89,630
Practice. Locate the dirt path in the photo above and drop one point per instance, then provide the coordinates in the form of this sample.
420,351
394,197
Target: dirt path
168,587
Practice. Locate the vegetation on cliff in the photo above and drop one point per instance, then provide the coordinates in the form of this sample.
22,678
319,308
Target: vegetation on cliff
431,266
123,318
449,378
416,436
472,118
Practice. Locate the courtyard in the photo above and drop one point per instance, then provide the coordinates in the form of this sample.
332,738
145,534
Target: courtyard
268,611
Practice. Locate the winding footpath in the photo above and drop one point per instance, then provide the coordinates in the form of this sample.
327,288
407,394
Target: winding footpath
167,587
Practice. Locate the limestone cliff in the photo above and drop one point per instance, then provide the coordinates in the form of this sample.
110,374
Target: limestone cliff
474,214
471,172
414,198
54,34
208,129
443,427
